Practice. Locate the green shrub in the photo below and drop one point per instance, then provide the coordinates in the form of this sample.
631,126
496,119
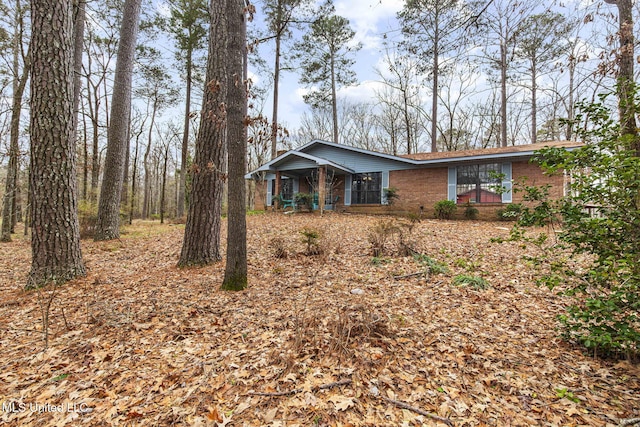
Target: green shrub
470,211
445,209
433,266
511,212
88,219
391,195
475,282
311,238
304,200
593,259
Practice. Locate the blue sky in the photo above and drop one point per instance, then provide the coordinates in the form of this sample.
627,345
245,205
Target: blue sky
370,19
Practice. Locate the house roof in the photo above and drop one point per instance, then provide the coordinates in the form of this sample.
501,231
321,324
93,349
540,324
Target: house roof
514,152
510,150
284,157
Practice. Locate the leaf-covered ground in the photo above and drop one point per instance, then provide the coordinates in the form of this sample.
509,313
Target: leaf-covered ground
328,340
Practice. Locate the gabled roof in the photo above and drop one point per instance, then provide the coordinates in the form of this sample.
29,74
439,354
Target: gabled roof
526,149
357,150
514,152
273,164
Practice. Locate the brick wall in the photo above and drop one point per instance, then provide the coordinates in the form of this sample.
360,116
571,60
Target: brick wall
536,177
419,187
424,187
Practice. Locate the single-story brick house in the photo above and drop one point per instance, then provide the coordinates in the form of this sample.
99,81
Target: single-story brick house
356,179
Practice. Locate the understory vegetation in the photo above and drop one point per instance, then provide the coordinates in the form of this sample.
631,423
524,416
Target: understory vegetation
319,337
589,249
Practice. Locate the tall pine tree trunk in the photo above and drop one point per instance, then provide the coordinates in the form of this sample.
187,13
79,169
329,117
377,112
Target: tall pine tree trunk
534,103
235,274
626,102
182,188
108,223
201,243
503,94
9,214
434,95
334,101
276,89
55,240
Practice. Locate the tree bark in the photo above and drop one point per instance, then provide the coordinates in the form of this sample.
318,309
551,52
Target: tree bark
55,240
434,95
134,177
534,102
9,214
503,94
334,101
235,274
276,86
164,181
79,14
201,243
626,83
108,223
182,190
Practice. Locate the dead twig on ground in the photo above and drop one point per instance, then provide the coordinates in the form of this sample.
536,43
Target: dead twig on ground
404,276
300,390
629,422
404,405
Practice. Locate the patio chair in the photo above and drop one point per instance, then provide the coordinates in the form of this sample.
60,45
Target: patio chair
288,203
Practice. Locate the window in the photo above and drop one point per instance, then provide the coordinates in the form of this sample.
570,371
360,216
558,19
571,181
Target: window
287,189
478,183
366,188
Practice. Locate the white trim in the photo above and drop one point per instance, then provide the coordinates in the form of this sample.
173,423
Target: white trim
452,183
507,196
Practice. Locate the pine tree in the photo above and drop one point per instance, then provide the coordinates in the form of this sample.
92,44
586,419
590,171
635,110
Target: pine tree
55,240
201,243
325,58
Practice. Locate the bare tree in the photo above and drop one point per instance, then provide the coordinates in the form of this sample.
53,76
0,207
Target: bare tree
20,67
540,41
500,22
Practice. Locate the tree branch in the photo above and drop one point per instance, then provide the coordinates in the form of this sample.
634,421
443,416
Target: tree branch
299,390
408,407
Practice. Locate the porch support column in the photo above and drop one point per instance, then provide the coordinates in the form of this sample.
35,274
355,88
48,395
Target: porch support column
322,183
277,190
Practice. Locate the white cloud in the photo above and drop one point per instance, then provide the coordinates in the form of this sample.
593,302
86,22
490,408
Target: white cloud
369,18
363,92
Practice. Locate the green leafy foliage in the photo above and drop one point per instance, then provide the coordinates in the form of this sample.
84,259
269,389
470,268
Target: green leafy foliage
600,220
475,282
511,212
311,239
470,211
391,195
433,266
304,200
445,209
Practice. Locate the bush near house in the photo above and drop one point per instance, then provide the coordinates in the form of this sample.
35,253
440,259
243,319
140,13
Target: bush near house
444,209
604,315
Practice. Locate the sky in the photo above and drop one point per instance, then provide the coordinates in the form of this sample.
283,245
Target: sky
371,20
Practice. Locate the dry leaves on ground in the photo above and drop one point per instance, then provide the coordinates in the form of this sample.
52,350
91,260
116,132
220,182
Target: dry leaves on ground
141,342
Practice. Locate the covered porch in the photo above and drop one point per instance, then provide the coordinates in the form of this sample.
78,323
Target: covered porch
298,179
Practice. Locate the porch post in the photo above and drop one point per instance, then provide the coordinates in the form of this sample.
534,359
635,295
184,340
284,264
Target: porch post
322,182
277,191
